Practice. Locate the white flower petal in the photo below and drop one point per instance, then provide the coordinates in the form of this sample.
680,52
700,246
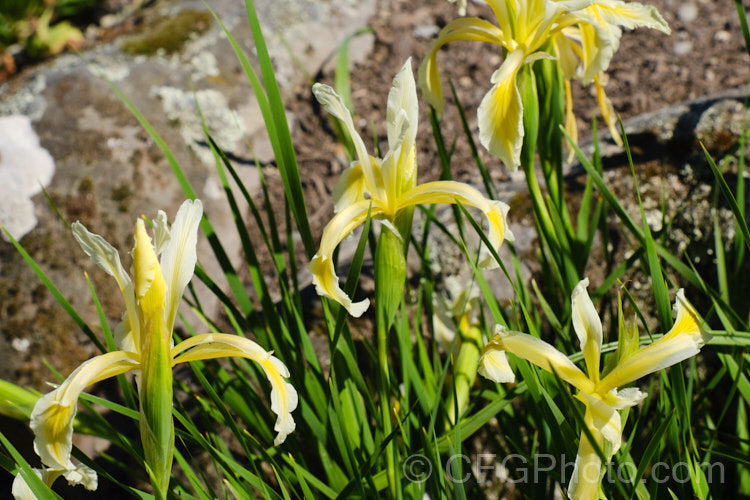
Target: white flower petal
588,327
179,256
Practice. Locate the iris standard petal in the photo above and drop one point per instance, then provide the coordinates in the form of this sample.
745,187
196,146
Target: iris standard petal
52,416
336,107
321,266
219,345
500,113
179,256
457,192
588,328
105,256
403,97
467,29
684,340
543,355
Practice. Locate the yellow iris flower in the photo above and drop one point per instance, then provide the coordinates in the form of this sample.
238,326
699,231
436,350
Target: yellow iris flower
599,394
384,187
151,300
584,34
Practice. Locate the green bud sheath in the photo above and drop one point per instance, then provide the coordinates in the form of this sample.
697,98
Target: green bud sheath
390,273
155,387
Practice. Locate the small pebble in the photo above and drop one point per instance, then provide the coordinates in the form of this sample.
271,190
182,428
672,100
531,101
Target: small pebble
20,345
722,36
687,12
426,31
683,48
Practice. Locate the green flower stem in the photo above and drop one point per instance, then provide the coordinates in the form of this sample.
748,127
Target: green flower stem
390,276
156,423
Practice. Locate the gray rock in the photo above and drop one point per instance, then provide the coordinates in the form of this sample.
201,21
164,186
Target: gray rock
108,171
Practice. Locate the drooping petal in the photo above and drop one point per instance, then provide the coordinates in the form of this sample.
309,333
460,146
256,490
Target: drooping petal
105,256
20,489
500,113
493,364
684,340
219,345
179,256
321,266
466,28
543,355
52,417
336,107
456,192
588,328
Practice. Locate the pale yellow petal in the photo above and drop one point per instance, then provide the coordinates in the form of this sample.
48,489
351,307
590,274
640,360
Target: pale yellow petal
105,256
493,364
321,266
683,341
350,188
543,355
179,256
599,42
584,483
161,231
83,475
588,328
52,416
336,107
467,29
220,345
608,111
456,192
631,15
403,98
500,113
443,324
571,125
461,4
604,418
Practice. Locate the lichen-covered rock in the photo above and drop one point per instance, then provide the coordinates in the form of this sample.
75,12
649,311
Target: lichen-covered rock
108,170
